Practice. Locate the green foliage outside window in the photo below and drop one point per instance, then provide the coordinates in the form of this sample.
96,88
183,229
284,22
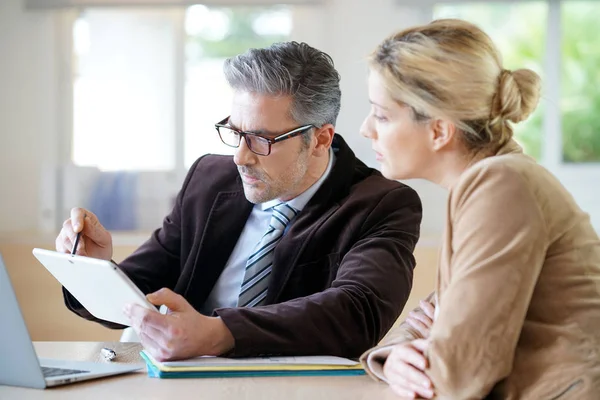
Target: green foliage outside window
580,84
240,33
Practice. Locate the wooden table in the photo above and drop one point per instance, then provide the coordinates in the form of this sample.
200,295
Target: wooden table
138,386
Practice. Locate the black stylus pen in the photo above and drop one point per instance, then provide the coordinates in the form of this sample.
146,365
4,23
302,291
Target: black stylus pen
76,243
74,250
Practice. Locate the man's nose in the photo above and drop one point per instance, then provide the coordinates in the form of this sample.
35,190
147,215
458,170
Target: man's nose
243,155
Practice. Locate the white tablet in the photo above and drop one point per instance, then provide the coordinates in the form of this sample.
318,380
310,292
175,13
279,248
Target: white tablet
99,285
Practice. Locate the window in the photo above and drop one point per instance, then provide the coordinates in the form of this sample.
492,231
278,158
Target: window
580,97
123,96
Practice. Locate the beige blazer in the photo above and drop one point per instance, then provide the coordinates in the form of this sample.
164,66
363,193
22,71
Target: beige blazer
518,290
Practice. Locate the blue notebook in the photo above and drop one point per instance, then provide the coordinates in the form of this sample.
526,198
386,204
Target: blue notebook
219,367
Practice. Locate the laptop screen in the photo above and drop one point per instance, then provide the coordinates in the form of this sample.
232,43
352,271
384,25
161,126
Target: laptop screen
19,365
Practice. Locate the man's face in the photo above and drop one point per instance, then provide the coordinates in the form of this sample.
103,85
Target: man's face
281,174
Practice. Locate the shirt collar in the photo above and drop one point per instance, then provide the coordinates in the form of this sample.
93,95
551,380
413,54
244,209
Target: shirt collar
301,200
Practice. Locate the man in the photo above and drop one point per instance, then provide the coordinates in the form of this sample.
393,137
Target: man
295,247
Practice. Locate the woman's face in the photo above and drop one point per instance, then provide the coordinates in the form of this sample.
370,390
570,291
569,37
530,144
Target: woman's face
401,144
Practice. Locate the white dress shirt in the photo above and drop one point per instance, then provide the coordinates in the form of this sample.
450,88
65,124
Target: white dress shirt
226,291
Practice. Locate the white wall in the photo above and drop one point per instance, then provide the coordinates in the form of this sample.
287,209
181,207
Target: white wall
27,113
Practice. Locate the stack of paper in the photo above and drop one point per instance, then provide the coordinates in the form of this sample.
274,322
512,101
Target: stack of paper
206,367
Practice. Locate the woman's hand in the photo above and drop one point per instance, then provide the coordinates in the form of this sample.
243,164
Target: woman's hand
422,320
404,370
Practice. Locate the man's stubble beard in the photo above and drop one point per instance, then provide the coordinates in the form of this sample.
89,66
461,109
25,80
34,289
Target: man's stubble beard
287,183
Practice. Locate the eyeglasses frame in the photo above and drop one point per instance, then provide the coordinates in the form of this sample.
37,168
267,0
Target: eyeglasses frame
271,141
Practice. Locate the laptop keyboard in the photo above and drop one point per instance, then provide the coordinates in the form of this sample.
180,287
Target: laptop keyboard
50,371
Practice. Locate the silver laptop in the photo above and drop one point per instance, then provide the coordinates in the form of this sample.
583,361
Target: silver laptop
19,364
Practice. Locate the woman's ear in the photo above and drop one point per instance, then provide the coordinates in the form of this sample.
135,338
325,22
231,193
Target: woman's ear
443,132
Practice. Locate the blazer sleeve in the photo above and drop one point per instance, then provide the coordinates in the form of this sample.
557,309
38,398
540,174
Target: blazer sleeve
370,289
499,242
155,264
374,358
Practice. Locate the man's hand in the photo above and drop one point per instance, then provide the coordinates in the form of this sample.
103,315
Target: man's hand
95,241
422,321
182,332
404,370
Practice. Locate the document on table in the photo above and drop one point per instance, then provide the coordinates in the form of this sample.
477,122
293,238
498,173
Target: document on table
208,361
253,366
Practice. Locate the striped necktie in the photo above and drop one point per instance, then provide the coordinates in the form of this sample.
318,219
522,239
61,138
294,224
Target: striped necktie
258,266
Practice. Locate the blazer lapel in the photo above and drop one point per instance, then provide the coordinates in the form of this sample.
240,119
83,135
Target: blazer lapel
224,225
292,245
322,205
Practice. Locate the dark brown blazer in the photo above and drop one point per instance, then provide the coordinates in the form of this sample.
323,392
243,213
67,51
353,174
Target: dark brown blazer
341,274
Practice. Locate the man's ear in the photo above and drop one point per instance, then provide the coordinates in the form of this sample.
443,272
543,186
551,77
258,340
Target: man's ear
322,137
443,132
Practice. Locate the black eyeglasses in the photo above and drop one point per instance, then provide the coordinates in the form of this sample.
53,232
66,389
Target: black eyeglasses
258,144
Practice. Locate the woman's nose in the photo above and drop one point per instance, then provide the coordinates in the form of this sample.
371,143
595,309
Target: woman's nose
366,129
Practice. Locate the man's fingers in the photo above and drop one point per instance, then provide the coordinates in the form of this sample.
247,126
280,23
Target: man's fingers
141,318
152,346
77,218
154,334
70,237
93,229
65,238
85,221
162,346
63,243
173,301
152,339
81,216
95,241
80,250
67,230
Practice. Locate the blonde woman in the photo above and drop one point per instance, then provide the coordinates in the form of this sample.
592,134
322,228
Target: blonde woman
516,309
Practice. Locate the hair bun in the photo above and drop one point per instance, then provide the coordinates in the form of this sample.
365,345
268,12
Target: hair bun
517,95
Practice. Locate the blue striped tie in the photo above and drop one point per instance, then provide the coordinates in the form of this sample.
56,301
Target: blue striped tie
258,266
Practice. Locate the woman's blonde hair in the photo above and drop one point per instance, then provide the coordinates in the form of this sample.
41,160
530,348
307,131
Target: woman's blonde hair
451,69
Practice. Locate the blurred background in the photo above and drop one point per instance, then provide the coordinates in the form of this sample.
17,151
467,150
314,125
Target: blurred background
106,103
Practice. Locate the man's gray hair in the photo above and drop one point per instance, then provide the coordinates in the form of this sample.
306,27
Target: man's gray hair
294,69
